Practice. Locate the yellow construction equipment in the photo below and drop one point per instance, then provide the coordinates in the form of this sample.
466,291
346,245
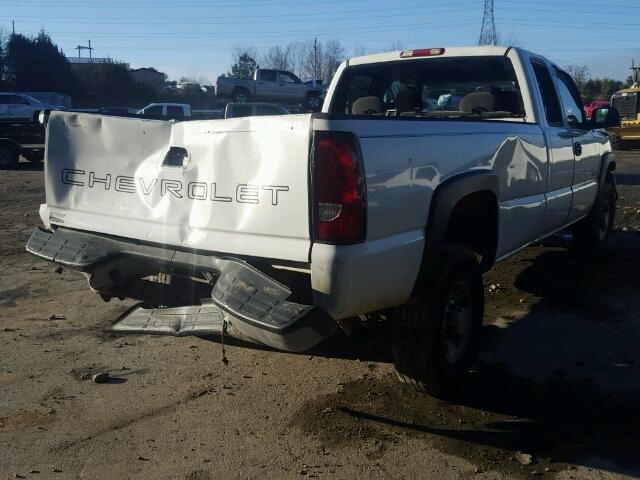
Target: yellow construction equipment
627,102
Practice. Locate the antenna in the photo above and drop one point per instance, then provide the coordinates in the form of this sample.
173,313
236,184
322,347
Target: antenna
488,34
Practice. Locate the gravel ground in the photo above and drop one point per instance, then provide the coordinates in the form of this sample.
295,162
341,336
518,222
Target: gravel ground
558,379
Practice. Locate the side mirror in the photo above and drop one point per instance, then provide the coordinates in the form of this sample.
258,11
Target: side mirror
605,117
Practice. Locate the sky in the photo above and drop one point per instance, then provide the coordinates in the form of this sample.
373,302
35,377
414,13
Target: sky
196,38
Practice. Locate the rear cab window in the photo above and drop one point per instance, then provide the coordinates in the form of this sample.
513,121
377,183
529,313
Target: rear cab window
266,110
434,87
241,111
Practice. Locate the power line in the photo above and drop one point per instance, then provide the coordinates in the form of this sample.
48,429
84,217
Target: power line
130,5
142,19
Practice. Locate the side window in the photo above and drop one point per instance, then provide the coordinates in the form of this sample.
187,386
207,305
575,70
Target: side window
264,110
155,110
549,96
174,111
18,100
268,75
286,77
4,99
570,97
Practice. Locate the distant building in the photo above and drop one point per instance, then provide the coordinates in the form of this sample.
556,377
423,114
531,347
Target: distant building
149,76
93,61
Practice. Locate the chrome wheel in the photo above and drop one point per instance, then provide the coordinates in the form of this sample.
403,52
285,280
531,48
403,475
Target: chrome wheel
457,324
240,98
313,102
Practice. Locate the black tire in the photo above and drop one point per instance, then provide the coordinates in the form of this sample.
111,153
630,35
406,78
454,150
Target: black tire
241,95
617,143
313,103
591,232
422,354
8,157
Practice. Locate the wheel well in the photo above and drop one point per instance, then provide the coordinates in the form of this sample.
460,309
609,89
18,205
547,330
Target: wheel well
473,222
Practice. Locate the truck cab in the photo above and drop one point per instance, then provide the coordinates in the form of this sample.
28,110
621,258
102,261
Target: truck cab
166,111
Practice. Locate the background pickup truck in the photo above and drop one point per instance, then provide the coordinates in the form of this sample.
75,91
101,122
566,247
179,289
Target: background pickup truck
272,86
18,106
423,169
20,139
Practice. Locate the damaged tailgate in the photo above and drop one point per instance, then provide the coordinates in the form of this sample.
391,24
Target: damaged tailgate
236,186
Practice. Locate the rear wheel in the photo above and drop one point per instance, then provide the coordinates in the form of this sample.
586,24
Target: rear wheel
8,157
241,95
313,103
435,335
591,232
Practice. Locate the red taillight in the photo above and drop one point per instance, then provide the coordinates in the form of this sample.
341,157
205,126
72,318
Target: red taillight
422,52
339,203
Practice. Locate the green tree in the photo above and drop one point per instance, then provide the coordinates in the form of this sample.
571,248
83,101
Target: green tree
109,84
244,66
37,64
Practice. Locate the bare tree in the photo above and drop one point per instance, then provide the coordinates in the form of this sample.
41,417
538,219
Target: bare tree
510,40
395,46
278,57
309,59
359,50
579,73
297,57
332,56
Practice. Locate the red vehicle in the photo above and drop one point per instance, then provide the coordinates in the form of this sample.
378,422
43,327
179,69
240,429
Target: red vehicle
590,107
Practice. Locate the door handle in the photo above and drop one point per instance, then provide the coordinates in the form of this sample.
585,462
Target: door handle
577,149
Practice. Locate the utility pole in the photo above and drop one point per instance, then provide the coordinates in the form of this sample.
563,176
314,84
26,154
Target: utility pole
13,26
488,34
316,69
82,47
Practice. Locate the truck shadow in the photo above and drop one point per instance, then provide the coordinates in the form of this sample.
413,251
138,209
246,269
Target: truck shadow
558,377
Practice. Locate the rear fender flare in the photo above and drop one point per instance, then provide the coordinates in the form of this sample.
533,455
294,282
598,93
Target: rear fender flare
444,199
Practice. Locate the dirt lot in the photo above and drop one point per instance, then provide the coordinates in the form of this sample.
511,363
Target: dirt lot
559,379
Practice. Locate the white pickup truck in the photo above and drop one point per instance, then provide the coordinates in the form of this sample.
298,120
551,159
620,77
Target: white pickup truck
423,169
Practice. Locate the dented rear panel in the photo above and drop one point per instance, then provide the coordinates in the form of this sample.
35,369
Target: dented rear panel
237,186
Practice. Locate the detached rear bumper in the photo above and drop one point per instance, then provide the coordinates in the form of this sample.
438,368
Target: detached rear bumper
251,301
